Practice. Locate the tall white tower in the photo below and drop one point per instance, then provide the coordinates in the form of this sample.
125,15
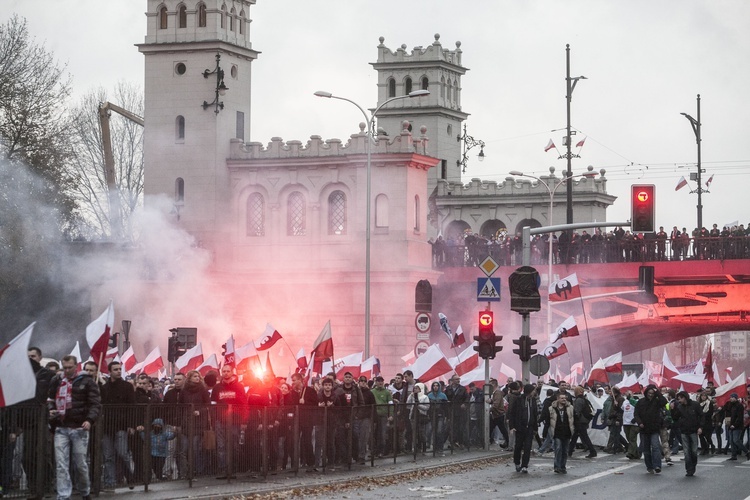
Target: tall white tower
198,59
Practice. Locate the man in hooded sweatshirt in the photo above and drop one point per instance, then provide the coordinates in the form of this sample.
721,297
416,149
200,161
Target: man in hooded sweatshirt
687,416
649,417
523,418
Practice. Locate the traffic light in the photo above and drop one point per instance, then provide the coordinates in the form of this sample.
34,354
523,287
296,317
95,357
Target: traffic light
487,340
175,349
524,350
643,205
113,340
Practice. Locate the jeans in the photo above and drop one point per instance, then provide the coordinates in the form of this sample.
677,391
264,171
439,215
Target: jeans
381,435
632,432
115,448
225,430
71,445
736,439
363,436
651,447
690,450
522,449
548,443
561,453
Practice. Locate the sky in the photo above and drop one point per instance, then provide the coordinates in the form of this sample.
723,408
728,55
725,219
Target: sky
645,62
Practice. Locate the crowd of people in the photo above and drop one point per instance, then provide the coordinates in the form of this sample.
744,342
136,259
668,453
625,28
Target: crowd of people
618,245
110,431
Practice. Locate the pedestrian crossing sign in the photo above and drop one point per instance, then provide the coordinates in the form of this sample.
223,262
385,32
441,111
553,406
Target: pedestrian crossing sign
488,289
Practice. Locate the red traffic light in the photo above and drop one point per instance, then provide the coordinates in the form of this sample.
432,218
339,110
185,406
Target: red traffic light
643,208
486,324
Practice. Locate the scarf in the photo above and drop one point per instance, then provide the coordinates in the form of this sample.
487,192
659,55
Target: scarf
63,399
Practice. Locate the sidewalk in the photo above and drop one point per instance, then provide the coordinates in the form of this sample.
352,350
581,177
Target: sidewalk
245,484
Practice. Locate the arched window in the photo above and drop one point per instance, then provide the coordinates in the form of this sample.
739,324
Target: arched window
450,91
179,191
256,216
391,87
230,19
425,83
182,17
337,213
241,22
442,87
163,17
223,15
179,127
407,85
296,215
381,211
202,15
455,91
416,213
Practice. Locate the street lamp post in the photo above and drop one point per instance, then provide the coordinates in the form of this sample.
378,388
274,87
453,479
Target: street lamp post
370,138
696,124
551,191
570,87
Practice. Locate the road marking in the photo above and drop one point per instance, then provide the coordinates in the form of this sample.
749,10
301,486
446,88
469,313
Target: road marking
437,492
577,481
715,460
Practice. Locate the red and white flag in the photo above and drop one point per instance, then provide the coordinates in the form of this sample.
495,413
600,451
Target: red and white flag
323,347
715,375
17,379
577,367
668,369
708,366
709,181
128,360
629,383
430,365
728,374
549,146
737,385
268,339
153,362
229,356
210,364
191,360
613,363
370,368
409,358
268,373
98,333
579,144
467,360
458,337
555,349
681,183
558,373
301,360
476,375
77,353
567,328
643,380
247,359
351,363
598,373
507,371
565,289
689,382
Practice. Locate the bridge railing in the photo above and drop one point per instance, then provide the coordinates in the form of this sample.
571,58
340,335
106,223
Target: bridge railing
508,253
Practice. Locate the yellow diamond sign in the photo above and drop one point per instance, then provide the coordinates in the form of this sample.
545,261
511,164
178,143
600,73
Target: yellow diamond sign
488,266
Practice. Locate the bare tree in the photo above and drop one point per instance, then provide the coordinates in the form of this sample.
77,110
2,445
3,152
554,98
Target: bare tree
87,164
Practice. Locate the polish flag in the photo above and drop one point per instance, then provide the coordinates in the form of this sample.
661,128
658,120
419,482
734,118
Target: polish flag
653,368
323,347
466,361
571,379
370,368
476,375
268,373
98,333
715,374
458,338
613,364
269,338
210,364
629,383
17,379
431,364
709,181
409,358
668,369
77,353
246,358
507,371
351,363
128,360
598,373
301,360
112,355
728,374
681,183
555,349
567,328
565,289
577,367
644,380
153,362
579,144
191,360
738,385
229,356
689,382
549,146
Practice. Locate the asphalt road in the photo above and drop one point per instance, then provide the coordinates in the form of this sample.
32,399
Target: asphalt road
608,477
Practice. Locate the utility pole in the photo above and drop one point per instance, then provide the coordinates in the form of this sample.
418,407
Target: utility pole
696,124
570,84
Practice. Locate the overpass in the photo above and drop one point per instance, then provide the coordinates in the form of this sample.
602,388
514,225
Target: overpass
691,298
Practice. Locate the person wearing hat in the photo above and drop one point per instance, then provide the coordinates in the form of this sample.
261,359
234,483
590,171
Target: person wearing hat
687,416
523,418
734,412
649,417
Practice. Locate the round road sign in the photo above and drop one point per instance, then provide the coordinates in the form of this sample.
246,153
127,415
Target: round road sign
538,365
421,348
423,322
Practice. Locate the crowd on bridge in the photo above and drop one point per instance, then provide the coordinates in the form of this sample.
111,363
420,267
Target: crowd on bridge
618,245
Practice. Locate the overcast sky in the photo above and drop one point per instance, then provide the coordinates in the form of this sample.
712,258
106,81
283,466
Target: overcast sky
645,62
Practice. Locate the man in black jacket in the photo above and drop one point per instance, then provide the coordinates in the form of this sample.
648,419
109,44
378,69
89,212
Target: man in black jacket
687,416
74,405
522,417
649,415
119,395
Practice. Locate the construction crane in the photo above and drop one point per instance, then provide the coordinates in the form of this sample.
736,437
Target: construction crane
105,109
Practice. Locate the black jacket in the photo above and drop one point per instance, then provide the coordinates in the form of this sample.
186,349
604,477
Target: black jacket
688,418
119,392
522,413
650,413
86,402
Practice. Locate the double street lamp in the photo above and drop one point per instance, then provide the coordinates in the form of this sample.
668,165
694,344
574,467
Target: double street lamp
696,124
370,120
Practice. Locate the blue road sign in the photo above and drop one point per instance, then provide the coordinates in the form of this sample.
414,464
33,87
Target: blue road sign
488,289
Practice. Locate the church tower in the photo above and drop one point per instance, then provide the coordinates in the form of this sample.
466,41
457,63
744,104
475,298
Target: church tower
438,70
198,58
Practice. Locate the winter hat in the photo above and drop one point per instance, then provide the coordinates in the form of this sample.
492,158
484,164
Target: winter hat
734,395
527,389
